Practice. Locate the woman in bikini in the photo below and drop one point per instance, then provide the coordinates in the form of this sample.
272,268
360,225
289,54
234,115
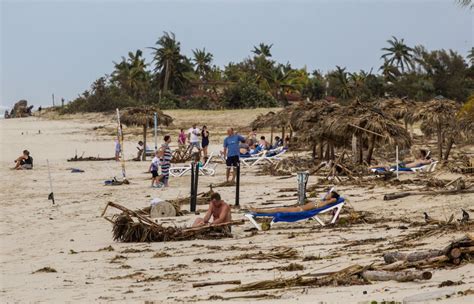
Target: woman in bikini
330,198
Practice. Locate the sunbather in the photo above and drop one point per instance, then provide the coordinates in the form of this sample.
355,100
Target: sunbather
25,161
330,198
218,209
422,158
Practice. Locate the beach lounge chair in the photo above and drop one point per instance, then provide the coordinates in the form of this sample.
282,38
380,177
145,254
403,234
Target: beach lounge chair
206,169
268,155
298,216
424,168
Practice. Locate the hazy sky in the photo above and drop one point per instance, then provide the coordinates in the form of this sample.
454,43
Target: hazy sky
61,47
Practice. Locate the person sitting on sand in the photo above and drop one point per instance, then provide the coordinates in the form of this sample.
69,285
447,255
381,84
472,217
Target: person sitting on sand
218,209
140,149
422,158
330,198
25,161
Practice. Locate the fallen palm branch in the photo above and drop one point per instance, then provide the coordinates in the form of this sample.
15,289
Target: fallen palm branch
273,254
135,226
90,158
392,196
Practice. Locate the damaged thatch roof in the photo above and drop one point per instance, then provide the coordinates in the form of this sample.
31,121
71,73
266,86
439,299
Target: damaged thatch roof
140,116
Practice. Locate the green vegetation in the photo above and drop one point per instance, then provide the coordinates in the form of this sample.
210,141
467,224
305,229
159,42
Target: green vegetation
173,80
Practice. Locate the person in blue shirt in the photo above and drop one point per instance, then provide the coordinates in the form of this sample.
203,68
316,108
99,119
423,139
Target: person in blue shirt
232,152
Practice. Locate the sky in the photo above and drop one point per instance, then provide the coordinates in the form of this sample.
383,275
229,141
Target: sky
61,47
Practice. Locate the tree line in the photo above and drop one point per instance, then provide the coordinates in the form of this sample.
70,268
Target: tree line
174,80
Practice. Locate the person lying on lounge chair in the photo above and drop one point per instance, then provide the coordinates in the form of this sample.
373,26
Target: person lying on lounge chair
218,209
330,198
422,158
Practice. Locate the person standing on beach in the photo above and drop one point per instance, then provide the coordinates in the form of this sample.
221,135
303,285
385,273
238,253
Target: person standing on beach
165,155
193,137
181,138
232,152
205,141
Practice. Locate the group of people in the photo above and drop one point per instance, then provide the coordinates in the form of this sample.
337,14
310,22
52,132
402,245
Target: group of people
197,138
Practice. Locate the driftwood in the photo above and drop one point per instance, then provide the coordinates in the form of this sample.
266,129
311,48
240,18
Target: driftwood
399,276
204,284
90,158
392,196
454,253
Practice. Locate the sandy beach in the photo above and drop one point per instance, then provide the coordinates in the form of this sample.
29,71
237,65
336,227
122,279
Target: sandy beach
72,238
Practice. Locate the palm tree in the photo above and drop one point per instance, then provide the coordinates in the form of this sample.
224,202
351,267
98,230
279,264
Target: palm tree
131,75
466,3
389,71
202,61
398,53
341,82
167,57
262,50
470,56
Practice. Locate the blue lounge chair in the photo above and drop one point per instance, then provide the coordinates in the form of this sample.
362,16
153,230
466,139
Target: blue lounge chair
298,216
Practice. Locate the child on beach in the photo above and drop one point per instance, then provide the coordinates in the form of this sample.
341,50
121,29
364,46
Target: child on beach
155,164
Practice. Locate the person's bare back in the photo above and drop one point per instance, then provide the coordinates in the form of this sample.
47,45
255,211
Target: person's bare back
219,210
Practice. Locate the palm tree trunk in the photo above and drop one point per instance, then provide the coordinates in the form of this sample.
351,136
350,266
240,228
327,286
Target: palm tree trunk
440,141
361,150
321,151
271,136
144,142
354,148
314,151
448,148
328,149
167,77
371,149
333,155
283,133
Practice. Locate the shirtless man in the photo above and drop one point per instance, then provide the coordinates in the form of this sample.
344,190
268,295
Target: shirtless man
218,209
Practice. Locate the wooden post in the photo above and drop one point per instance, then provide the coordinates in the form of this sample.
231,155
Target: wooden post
144,142
354,148
192,205
271,136
237,185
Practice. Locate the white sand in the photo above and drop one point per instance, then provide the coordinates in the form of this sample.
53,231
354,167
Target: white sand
68,236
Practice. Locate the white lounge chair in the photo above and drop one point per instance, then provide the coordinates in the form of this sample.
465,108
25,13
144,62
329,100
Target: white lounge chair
206,169
268,155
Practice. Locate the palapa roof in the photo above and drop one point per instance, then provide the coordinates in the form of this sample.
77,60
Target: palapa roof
399,108
139,116
352,119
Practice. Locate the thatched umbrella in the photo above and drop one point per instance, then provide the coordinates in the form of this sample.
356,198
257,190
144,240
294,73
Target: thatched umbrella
307,119
365,123
144,116
399,108
438,116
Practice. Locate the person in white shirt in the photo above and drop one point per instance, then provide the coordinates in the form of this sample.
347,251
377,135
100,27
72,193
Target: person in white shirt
193,137
155,164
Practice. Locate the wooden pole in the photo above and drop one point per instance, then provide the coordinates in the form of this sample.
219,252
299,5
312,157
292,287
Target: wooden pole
156,131
397,162
237,185
51,195
192,205
120,135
